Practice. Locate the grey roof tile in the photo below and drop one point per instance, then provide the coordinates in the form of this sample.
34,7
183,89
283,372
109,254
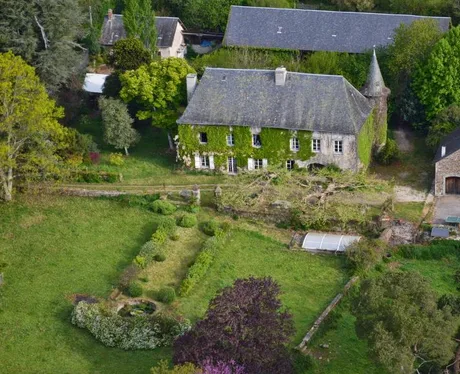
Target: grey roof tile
315,30
374,85
452,144
112,30
313,102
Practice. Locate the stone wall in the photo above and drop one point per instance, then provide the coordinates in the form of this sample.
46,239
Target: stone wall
446,167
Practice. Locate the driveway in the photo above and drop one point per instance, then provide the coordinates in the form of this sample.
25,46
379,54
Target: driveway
446,206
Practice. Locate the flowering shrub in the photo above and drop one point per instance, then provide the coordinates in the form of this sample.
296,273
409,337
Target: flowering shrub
136,332
116,159
95,157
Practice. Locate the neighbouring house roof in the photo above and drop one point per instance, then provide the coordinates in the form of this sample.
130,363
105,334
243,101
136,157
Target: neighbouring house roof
232,97
94,83
452,144
113,30
315,30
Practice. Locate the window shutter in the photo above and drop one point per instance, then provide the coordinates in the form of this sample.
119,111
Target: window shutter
250,164
197,162
211,162
264,163
291,144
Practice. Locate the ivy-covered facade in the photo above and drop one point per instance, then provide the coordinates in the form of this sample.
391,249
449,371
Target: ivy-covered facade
252,119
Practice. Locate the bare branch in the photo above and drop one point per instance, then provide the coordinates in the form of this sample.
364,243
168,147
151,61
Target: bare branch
77,45
42,29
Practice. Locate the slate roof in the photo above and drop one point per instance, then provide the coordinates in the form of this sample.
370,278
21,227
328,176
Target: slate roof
452,144
315,30
112,31
374,85
232,97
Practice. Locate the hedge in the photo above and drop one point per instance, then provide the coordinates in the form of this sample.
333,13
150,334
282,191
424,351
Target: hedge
187,220
163,207
437,250
94,177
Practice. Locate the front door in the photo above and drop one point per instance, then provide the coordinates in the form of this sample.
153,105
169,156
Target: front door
232,165
453,186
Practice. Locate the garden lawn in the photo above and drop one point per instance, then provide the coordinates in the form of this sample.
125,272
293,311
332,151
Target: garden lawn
309,282
55,247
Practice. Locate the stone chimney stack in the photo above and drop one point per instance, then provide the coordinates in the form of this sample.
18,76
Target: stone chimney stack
191,85
280,76
110,14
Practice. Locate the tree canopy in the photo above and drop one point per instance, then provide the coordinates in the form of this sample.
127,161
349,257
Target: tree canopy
129,54
44,33
139,22
397,314
244,324
30,134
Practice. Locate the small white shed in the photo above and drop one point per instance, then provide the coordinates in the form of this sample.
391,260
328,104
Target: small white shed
328,243
94,83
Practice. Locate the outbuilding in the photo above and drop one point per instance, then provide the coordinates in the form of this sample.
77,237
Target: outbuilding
447,165
328,243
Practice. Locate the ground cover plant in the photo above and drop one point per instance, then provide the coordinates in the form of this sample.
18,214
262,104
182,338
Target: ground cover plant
55,247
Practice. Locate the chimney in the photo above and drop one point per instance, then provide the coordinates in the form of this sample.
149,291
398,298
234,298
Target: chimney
191,85
110,14
280,76
443,151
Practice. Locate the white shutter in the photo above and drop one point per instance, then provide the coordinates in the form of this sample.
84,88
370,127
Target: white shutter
264,163
197,162
250,164
291,144
211,162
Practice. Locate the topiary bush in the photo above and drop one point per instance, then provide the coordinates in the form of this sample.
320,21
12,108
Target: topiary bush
210,228
166,295
140,261
149,250
135,289
159,237
163,207
187,220
168,225
141,332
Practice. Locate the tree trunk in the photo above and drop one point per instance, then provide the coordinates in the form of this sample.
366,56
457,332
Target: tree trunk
126,151
171,142
8,186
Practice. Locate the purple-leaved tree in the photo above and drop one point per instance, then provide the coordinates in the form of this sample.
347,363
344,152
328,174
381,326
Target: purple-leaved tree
244,324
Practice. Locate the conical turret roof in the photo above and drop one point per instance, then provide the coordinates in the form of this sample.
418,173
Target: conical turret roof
374,85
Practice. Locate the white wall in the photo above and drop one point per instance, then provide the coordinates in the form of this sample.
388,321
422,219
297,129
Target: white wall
178,45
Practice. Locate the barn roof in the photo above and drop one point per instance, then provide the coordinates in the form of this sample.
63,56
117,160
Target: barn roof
452,144
315,30
233,97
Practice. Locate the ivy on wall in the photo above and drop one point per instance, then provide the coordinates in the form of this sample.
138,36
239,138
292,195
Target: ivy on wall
366,140
275,144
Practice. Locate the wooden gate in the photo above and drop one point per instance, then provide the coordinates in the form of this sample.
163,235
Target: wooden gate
453,186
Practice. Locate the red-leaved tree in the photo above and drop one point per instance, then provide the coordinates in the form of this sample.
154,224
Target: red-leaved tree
244,324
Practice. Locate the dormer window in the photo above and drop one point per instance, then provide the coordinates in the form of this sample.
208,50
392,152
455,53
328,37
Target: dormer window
203,138
256,141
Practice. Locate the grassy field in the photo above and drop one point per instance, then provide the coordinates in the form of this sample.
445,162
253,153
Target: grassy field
150,161
411,212
309,282
55,247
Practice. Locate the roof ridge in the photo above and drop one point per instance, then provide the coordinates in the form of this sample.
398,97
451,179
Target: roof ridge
338,11
273,70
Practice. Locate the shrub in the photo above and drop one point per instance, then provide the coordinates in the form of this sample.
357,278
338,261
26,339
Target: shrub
168,225
116,159
140,261
175,237
363,255
95,157
389,153
437,250
128,275
149,250
166,295
135,289
160,257
187,220
113,330
86,176
210,228
159,237
143,201
193,208
163,207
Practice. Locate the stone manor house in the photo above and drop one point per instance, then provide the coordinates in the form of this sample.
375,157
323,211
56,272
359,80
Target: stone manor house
250,119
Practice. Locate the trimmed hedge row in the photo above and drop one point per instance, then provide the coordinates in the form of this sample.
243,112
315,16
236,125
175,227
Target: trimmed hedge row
202,264
87,176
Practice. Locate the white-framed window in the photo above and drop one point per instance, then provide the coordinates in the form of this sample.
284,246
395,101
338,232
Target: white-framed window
204,162
256,141
258,163
230,140
203,138
316,145
295,145
232,165
338,146
290,164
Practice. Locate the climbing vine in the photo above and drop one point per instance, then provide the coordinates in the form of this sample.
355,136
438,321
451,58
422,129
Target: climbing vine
366,140
275,144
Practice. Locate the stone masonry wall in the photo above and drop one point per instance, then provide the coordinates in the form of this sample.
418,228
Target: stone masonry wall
446,167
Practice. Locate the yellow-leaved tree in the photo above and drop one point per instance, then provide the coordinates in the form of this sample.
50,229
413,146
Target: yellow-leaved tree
30,134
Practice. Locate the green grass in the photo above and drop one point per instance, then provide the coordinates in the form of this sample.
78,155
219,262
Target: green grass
411,212
309,282
55,247
150,161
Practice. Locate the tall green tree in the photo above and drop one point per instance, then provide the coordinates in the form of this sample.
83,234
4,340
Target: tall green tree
437,83
355,5
30,134
160,89
422,7
397,314
45,34
118,130
443,124
129,54
139,21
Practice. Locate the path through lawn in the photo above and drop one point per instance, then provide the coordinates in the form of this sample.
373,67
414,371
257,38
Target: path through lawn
55,247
